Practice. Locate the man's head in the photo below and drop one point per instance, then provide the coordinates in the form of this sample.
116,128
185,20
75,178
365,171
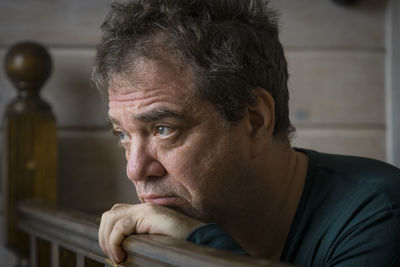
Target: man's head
197,95
232,47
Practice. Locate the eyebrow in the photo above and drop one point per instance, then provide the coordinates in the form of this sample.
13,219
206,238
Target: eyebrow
152,116
158,114
112,121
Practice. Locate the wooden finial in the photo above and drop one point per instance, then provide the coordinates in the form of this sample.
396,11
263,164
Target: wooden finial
30,140
28,65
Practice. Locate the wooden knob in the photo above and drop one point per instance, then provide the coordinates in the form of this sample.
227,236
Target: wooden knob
28,65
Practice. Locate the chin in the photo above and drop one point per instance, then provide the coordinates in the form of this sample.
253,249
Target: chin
188,211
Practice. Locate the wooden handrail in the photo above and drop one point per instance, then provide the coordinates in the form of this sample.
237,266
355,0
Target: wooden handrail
77,231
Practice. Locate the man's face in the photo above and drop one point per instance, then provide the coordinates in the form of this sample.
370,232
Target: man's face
178,152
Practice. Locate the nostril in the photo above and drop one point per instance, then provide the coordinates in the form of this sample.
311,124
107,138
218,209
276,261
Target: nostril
145,167
156,169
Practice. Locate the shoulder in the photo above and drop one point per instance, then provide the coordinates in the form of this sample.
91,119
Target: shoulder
348,205
358,166
356,175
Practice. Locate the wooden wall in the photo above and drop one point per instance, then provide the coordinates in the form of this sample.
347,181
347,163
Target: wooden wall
393,83
336,60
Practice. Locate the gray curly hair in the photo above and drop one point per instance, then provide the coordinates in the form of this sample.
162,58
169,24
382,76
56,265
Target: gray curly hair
232,45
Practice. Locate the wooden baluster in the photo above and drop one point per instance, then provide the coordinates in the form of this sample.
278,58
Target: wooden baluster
55,255
33,251
29,138
80,260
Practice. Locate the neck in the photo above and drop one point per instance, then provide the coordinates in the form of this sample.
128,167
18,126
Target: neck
265,222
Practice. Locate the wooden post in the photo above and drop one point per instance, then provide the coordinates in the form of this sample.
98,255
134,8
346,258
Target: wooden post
30,140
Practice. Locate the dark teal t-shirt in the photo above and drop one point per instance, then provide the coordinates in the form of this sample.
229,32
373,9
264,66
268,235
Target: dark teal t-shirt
348,215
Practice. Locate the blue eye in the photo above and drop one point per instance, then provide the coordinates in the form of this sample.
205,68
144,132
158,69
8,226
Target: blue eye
120,135
163,130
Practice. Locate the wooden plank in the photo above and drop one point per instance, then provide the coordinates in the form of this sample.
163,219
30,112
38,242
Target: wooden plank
67,257
337,87
304,23
80,260
33,251
74,101
326,87
316,23
56,22
93,263
360,142
85,159
1,179
394,84
182,253
69,92
55,255
7,91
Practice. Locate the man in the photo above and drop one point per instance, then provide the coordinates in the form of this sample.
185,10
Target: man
198,97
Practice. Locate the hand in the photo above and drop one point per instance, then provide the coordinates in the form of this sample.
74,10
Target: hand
124,219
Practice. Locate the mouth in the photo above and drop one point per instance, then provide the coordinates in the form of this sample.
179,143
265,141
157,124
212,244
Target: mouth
161,200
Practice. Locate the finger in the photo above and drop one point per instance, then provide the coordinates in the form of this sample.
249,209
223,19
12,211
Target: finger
122,228
111,217
101,233
108,226
107,223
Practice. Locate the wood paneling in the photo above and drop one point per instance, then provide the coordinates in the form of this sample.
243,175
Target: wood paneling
1,165
394,84
7,90
92,171
337,87
313,23
55,22
69,92
326,87
361,142
322,23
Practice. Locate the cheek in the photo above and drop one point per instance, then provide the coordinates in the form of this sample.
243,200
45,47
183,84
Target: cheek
200,169
187,167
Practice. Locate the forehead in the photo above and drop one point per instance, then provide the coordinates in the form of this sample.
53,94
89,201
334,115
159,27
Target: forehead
147,75
151,85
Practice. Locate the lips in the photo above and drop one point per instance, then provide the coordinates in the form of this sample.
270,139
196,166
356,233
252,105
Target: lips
164,200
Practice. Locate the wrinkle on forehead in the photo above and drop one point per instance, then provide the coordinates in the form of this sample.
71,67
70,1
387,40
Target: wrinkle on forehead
148,74
150,82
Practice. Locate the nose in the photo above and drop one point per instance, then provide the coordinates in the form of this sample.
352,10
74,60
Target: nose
141,164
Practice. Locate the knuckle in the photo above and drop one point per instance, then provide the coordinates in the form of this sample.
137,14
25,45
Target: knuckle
150,206
123,225
106,215
118,226
116,206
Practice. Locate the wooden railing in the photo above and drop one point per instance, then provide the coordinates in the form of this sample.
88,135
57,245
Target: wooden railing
77,232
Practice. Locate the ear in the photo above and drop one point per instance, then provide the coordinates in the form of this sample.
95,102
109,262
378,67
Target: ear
261,120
